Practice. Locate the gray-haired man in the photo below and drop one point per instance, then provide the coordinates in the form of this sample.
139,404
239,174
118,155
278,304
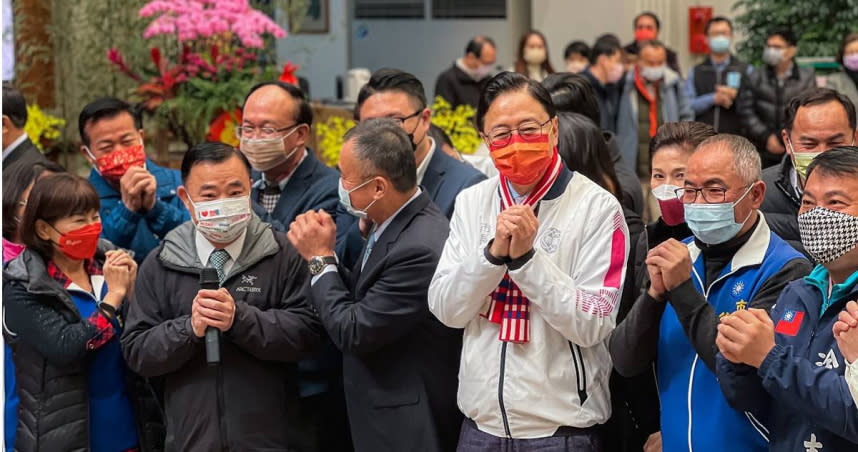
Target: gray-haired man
733,262
400,364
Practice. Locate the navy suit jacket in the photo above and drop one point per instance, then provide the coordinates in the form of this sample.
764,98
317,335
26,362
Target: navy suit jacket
445,177
312,186
400,364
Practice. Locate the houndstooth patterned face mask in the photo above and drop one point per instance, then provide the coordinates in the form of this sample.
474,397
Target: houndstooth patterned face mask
827,234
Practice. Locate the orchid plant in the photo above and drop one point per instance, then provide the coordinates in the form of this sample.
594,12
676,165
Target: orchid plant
212,58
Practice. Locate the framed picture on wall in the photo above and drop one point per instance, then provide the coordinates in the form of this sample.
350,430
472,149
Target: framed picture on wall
315,21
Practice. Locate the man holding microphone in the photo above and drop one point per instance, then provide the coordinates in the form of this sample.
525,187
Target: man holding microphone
247,400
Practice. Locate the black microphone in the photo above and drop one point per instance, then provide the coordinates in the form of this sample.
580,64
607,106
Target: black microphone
210,281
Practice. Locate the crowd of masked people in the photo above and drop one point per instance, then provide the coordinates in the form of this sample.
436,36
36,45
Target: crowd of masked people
640,262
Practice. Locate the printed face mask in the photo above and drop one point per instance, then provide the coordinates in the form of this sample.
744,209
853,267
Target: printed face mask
113,165
672,209
523,162
222,220
827,234
81,243
714,224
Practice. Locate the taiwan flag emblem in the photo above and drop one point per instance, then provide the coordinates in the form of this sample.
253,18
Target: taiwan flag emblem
789,323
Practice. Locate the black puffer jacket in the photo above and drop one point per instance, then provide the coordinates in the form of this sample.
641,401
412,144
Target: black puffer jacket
762,106
52,383
782,203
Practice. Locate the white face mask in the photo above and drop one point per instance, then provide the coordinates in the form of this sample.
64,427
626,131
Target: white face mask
346,200
266,153
222,220
534,55
652,74
773,56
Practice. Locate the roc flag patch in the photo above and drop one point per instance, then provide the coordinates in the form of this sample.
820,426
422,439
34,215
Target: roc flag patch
789,323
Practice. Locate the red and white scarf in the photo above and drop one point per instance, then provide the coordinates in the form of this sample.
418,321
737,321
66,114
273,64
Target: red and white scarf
508,306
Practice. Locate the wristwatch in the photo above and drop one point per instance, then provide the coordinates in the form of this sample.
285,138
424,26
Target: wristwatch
318,263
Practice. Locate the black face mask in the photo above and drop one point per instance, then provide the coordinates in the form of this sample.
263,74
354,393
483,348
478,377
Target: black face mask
411,136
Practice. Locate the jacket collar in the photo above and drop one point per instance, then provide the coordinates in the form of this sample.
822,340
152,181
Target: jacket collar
179,251
784,180
298,183
31,271
438,166
559,186
394,229
751,253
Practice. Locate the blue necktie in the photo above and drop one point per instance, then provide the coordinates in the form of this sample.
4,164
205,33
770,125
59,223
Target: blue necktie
369,244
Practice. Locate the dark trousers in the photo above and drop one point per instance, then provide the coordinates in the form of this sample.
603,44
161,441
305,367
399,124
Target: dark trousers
567,439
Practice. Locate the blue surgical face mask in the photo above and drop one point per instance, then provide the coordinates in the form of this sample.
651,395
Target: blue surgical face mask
714,224
719,44
346,200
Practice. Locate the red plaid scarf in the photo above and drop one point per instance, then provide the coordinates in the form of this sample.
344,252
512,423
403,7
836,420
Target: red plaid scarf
508,306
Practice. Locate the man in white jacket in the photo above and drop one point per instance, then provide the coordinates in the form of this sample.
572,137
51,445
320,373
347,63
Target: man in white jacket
532,271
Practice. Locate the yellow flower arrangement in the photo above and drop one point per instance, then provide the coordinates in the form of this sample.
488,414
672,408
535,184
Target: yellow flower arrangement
330,138
41,125
458,123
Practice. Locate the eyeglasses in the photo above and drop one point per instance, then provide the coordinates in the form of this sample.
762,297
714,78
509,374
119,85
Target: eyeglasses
527,130
261,132
712,195
401,120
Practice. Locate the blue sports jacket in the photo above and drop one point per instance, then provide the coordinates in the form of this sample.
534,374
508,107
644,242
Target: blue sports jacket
695,415
131,230
799,389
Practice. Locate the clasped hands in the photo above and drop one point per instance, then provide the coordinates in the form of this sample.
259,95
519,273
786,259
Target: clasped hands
515,232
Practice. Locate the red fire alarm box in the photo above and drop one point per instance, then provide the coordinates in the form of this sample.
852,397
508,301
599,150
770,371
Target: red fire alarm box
697,18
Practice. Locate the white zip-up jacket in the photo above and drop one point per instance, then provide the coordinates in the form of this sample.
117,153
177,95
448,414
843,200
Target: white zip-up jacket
574,281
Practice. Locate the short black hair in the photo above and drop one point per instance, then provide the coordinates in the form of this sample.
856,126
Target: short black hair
685,134
477,43
647,14
606,44
53,198
381,144
105,108
388,79
507,82
848,39
305,112
817,96
717,19
579,47
573,93
839,161
210,151
787,35
17,177
14,105
654,43
583,149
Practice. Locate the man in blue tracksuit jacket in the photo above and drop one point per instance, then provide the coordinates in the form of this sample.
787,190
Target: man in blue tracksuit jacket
786,368
742,264
139,205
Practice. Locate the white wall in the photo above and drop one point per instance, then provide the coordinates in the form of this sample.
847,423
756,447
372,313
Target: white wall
426,47
321,56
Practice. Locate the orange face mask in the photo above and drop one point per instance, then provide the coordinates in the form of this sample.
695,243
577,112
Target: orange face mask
523,162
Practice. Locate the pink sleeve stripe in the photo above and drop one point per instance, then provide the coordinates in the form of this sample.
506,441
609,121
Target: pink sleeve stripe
618,254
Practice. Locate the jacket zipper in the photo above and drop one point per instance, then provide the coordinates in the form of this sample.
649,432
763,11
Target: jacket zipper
580,375
500,390
221,410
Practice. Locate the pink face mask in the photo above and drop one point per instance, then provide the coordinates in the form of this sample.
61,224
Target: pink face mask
851,61
11,250
672,210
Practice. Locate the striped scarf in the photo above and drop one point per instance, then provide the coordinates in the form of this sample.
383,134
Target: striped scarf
508,306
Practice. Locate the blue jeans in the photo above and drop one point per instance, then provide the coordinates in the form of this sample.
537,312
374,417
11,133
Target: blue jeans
567,439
